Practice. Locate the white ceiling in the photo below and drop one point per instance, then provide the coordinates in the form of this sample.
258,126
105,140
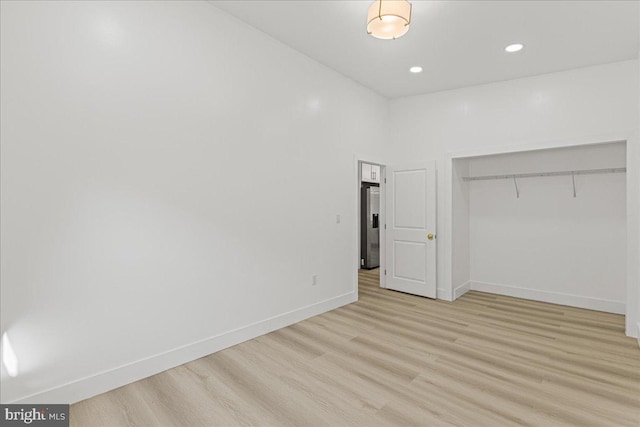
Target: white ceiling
458,43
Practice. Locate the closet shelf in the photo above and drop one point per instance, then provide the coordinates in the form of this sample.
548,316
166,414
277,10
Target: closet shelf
538,174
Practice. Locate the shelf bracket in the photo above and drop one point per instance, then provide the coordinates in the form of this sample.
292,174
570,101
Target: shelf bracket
573,179
516,184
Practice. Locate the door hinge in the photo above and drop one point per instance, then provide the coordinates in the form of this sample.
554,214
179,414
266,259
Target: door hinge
385,272
385,226
385,180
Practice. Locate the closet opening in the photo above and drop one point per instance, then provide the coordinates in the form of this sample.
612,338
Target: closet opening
546,225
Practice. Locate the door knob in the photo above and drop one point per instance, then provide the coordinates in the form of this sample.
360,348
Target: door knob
430,236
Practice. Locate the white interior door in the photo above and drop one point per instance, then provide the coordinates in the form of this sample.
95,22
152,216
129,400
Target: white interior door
411,229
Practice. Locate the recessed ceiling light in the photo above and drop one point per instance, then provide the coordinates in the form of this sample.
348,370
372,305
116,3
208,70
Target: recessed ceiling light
415,69
514,47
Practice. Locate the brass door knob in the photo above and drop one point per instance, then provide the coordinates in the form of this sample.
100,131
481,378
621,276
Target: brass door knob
430,236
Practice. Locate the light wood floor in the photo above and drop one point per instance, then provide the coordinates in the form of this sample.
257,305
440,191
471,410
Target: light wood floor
397,359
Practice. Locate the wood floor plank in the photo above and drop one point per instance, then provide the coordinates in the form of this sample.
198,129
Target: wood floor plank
394,359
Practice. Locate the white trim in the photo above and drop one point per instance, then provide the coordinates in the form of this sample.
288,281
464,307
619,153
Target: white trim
383,220
461,290
633,236
110,379
444,294
542,145
617,307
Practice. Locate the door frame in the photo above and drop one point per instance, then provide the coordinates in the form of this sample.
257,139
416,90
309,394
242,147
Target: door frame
358,160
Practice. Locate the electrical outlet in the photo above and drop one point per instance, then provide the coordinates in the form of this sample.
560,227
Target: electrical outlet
314,280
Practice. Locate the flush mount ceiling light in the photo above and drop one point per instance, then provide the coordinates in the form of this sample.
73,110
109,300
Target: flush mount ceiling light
512,48
415,69
389,19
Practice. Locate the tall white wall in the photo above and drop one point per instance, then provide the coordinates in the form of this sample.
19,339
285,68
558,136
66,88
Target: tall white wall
170,182
572,107
546,244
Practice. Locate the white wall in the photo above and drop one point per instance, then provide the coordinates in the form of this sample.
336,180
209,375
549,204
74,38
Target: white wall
546,244
169,175
572,107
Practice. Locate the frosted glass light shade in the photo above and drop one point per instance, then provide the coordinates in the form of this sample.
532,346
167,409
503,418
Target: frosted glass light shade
389,19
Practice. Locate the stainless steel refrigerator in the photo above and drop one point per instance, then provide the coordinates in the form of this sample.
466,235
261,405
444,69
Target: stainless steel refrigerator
370,227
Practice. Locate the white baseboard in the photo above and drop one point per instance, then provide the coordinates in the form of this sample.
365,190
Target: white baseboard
101,382
617,307
443,294
458,291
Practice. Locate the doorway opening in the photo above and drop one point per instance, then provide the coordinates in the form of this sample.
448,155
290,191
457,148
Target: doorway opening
370,217
371,239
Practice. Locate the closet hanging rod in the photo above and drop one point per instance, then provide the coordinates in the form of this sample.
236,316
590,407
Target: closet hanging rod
537,174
